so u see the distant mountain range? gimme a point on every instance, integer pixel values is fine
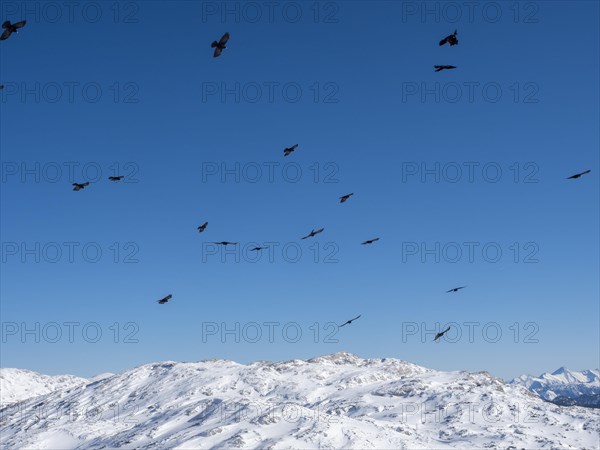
(329, 402)
(565, 387)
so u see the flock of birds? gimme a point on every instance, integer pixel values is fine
(219, 46)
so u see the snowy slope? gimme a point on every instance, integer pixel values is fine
(565, 387)
(18, 384)
(334, 401)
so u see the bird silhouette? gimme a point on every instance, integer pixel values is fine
(440, 68)
(346, 197)
(451, 39)
(313, 233)
(578, 175)
(220, 46)
(370, 241)
(162, 301)
(288, 151)
(225, 243)
(11, 28)
(257, 249)
(117, 178)
(440, 334)
(456, 289)
(202, 227)
(348, 322)
(80, 186)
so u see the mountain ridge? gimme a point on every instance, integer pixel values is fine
(330, 401)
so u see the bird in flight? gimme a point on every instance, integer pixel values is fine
(313, 233)
(117, 178)
(346, 197)
(370, 241)
(220, 46)
(225, 243)
(257, 249)
(578, 175)
(202, 227)
(162, 301)
(451, 39)
(348, 322)
(10, 28)
(456, 289)
(440, 68)
(288, 151)
(80, 186)
(440, 334)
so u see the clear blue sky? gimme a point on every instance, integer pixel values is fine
(364, 120)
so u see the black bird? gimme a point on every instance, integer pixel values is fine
(80, 186)
(348, 322)
(370, 241)
(578, 175)
(456, 289)
(118, 178)
(452, 40)
(202, 227)
(346, 197)
(10, 28)
(440, 334)
(288, 151)
(162, 301)
(220, 46)
(257, 249)
(440, 68)
(225, 243)
(313, 233)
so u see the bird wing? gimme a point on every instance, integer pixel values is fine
(5, 35)
(356, 317)
(587, 171)
(6, 24)
(443, 41)
(319, 231)
(217, 52)
(20, 24)
(344, 324)
(224, 39)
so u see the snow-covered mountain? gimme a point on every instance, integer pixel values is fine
(335, 401)
(565, 387)
(18, 384)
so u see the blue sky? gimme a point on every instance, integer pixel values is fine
(139, 94)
